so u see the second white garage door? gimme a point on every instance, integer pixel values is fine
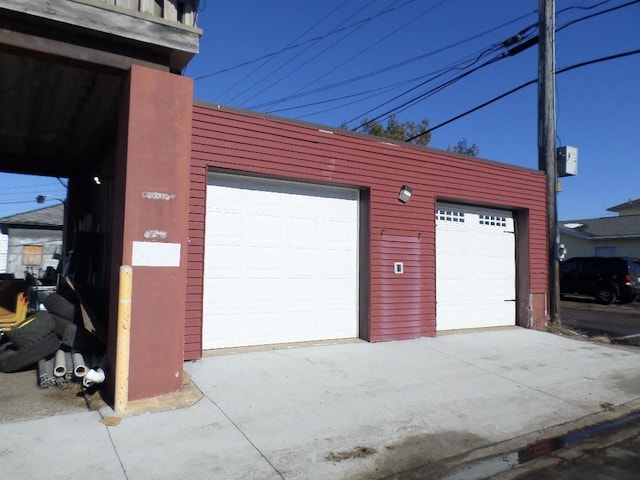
(281, 262)
(475, 267)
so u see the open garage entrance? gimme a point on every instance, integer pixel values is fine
(93, 93)
(59, 121)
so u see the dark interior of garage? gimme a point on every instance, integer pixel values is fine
(64, 69)
(60, 120)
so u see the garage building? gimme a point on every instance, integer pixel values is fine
(296, 233)
(247, 229)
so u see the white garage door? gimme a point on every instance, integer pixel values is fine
(475, 267)
(280, 262)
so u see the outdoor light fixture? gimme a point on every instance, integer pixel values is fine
(97, 180)
(42, 198)
(405, 193)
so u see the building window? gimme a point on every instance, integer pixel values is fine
(493, 220)
(451, 216)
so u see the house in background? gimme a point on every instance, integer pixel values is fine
(33, 238)
(604, 237)
(4, 247)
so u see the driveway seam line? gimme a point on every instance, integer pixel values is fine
(245, 436)
(115, 450)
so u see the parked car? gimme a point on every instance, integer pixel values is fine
(607, 279)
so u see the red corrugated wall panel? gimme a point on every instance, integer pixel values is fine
(401, 306)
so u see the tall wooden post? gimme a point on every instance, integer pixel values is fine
(546, 143)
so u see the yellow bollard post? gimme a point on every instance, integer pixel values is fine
(121, 394)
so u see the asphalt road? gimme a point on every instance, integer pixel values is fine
(621, 322)
(613, 455)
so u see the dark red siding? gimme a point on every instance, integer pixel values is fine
(401, 306)
(154, 141)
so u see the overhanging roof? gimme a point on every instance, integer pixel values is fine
(48, 217)
(62, 69)
(625, 206)
(627, 226)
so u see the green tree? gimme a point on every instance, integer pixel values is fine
(397, 130)
(464, 148)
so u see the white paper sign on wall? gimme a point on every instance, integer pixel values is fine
(156, 254)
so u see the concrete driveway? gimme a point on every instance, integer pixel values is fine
(344, 411)
(369, 410)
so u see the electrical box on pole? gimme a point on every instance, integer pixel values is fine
(567, 161)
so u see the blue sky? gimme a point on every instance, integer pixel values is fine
(272, 56)
(18, 192)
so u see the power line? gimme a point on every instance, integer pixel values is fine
(578, 7)
(597, 14)
(517, 37)
(389, 68)
(334, 31)
(348, 34)
(299, 37)
(30, 187)
(442, 86)
(374, 91)
(372, 45)
(360, 96)
(431, 75)
(311, 40)
(18, 202)
(520, 87)
(513, 51)
(29, 190)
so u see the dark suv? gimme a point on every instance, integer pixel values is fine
(606, 278)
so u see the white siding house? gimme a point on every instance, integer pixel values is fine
(33, 238)
(617, 236)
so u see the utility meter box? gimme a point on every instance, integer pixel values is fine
(567, 161)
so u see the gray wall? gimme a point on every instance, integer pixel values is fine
(578, 247)
(4, 245)
(50, 240)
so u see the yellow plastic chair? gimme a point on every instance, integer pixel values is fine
(8, 320)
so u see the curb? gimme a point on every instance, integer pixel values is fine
(504, 452)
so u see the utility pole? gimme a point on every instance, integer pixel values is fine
(547, 142)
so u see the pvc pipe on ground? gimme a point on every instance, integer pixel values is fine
(93, 376)
(79, 366)
(123, 342)
(59, 364)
